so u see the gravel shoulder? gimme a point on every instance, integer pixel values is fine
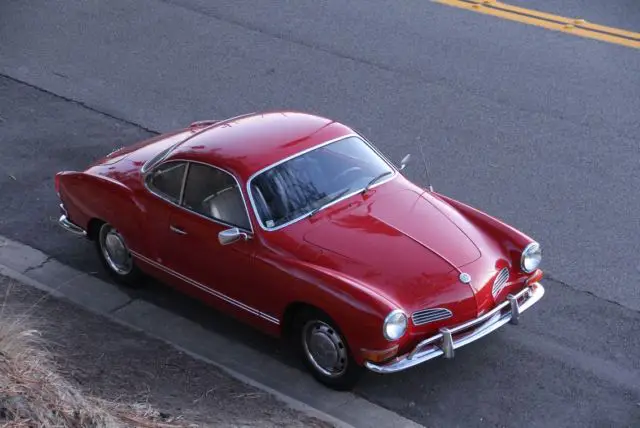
(113, 362)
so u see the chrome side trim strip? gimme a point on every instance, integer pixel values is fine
(448, 340)
(300, 153)
(206, 289)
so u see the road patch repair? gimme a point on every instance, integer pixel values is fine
(114, 346)
(575, 26)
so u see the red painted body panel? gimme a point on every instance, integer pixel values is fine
(397, 246)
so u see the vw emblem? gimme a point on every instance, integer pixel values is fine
(465, 278)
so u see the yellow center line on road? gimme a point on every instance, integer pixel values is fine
(575, 26)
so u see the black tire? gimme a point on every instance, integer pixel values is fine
(345, 372)
(121, 267)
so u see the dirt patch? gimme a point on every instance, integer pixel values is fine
(104, 359)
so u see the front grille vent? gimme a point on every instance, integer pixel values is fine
(430, 315)
(500, 282)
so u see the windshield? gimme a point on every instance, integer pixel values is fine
(297, 187)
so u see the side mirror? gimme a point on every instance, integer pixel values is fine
(405, 160)
(229, 236)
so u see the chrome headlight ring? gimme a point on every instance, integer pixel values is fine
(395, 325)
(531, 257)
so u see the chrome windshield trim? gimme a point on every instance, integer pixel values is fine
(288, 158)
(183, 186)
(209, 290)
(445, 342)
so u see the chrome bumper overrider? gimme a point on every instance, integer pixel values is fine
(70, 226)
(449, 339)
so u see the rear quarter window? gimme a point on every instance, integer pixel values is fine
(167, 179)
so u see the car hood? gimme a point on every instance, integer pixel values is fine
(404, 246)
(403, 224)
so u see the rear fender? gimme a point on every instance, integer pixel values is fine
(87, 196)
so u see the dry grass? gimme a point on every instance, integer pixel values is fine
(33, 394)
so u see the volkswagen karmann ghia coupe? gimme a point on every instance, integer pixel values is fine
(297, 225)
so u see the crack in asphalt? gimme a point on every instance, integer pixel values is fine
(592, 294)
(124, 305)
(80, 103)
(443, 81)
(39, 265)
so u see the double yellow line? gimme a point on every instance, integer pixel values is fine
(578, 27)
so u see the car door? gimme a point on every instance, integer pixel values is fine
(162, 197)
(211, 203)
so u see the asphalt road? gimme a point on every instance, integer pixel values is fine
(536, 127)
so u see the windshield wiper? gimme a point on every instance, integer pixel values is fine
(376, 178)
(336, 197)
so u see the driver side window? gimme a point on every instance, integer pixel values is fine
(215, 194)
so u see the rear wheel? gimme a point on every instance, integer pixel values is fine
(325, 351)
(116, 257)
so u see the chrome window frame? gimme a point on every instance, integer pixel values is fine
(323, 144)
(184, 184)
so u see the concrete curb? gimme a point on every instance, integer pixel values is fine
(297, 390)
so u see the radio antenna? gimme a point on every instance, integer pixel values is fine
(426, 168)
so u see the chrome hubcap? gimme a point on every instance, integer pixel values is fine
(115, 250)
(325, 348)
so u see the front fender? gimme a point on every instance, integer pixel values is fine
(358, 310)
(510, 241)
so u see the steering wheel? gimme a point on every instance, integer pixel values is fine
(347, 171)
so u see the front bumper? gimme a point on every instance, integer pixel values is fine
(450, 339)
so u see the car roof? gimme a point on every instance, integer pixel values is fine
(250, 143)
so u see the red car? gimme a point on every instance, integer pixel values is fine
(299, 226)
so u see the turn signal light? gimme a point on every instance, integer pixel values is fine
(377, 356)
(535, 277)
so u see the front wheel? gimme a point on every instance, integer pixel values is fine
(116, 257)
(325, 351)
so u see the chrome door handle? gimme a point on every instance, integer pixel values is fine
(177, 230)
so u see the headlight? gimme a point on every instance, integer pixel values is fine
(531, 257)
(395, 325)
